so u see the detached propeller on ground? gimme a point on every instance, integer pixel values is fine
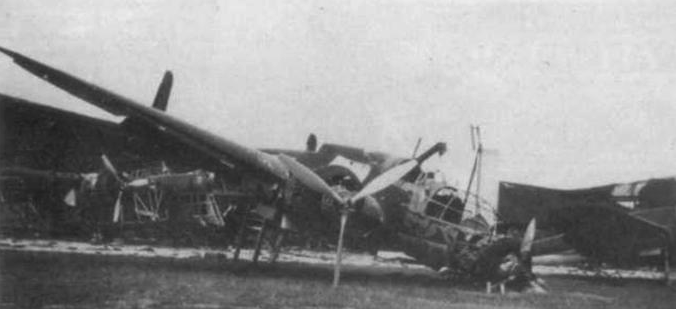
(309, 178)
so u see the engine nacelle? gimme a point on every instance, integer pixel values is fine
(192, 181)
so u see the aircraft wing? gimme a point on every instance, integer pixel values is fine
(229, 153)
(606, 232)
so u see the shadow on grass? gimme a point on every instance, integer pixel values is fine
(34, 279)
(30, 279)
(320, 273)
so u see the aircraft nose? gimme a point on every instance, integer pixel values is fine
(372, 209)
(525, 281)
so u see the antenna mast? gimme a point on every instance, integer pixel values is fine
(477, 146)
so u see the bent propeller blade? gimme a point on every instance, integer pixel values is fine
(385, 179)
(309, 178)
(391, 176)
(110, 167)
(118, 208)
(339, 250)
(528, 237)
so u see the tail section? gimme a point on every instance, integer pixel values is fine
(163, 92)
(311, 143)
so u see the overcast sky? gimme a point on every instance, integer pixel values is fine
(568, 93)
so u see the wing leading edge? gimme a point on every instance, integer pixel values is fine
(227, 152)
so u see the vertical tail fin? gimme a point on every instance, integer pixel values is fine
(311, 143)
(163, 92)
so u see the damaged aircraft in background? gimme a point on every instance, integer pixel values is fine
(618, 224)
(389, 200)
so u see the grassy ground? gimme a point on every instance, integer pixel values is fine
(54, 280)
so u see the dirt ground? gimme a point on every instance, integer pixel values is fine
(97, 280)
